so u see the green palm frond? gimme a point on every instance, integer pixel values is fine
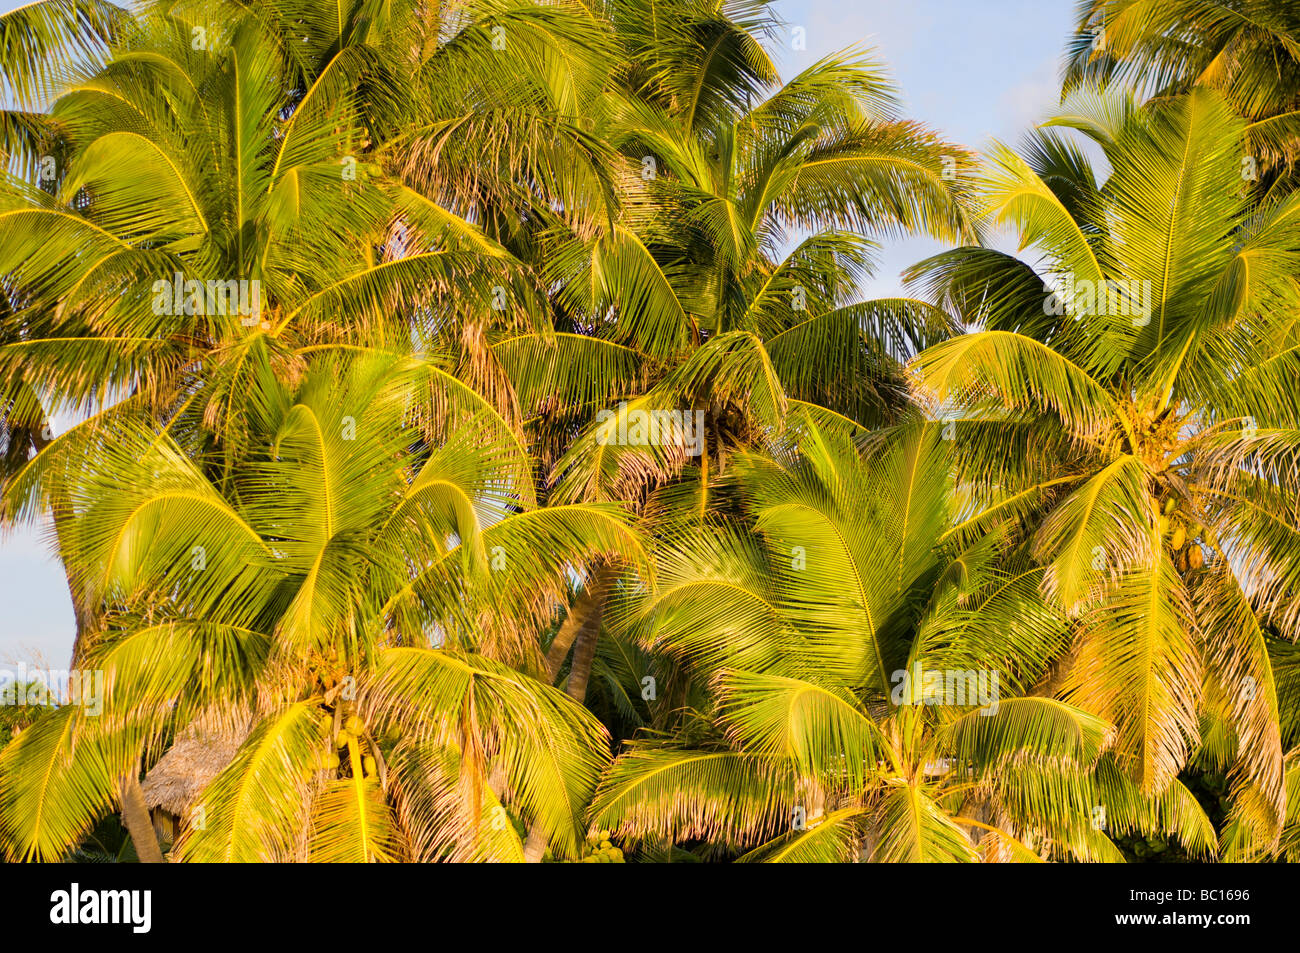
(253, 809)
(550, 750)
(36, 36)
(1042, 727)
(1137, 667)
(352, 823)
(660, 790)
(56, 780)
(909, 827)
(833, 838)
(821, 729)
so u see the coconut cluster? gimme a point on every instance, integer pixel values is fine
(1182, 535)
(599, 849)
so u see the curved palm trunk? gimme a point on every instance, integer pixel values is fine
(580, 630)
(564, 639)
(584, 647)
(581, 627)
(135, 816)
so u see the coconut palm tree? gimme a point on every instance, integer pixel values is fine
(697, 278)
(1249, 50)
(830, 639)
(688, 298)
(339, 524)
(1125, 404)
(213, 202)
(352, 587)
(232, 175)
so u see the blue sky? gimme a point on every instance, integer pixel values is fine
(973, 70)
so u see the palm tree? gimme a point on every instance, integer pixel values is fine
(1249, 50)
(350, 586)
(688, 298)
(210, 153)
(684, 297)
(824, 739)
(1125, 407)
(339, 525)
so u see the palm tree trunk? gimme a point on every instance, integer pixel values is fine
(135, 815)
(535, 846)
(580, 629)
(584, 647)
(563, 640)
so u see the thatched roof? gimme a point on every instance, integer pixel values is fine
(196, 757)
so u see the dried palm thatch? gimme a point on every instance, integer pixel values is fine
(197, 756)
